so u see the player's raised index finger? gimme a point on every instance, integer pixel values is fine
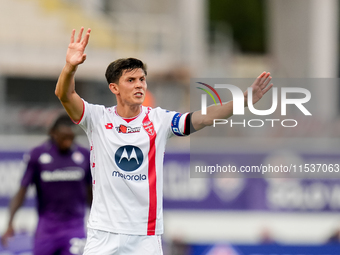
(266, 82)
(86, 37)
(265, 77)
(80, 34)
(72, 36)
(261, 75)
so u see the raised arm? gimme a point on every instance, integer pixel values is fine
(65, 89)
(260, 87)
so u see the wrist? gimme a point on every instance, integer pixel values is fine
(70, 68)
(10, 224)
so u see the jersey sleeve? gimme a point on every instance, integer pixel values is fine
(175, 123)
(92, 113)
(31, 169)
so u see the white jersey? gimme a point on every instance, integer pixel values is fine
(127, 167)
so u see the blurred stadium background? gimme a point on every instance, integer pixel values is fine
(180, 40)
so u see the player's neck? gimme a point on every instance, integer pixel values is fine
(128, 111)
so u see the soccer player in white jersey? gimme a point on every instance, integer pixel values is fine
(127, 147)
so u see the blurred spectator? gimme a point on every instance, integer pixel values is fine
(60, 171)
(149, 99)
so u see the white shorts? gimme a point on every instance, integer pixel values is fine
(106, 243)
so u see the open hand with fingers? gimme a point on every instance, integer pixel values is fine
(75, 53)
(8, 234)
(259, 87)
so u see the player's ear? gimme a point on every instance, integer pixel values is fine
(114, 88)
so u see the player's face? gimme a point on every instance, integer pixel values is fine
(64, 137)
(132, 87)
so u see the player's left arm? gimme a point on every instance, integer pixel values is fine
(260, 87)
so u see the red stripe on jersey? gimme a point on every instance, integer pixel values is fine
(82, 115)
(152, 188)
(149, 128)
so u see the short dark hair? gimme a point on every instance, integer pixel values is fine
(115, 70)
(62, 120)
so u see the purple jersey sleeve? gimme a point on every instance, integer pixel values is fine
(31, 168)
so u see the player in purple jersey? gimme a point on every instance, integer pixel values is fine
(60, 171)
(127, 148)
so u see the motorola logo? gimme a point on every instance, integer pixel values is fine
(129, 158)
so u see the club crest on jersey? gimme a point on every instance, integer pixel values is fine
(127, 130)
(148, 126)
(129, 158)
